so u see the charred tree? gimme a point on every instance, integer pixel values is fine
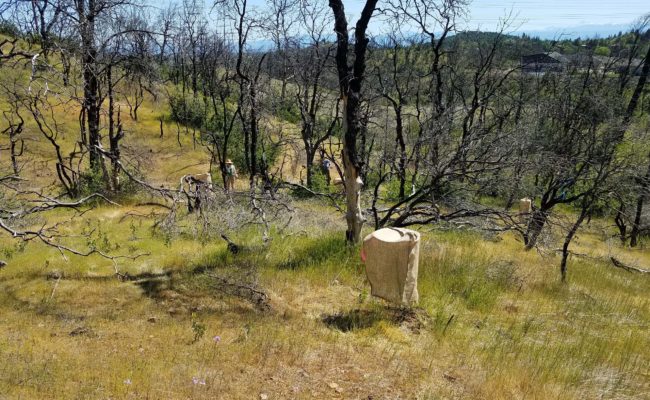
(350, 79)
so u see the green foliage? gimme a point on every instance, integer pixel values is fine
(8, 28)
(318, 185)
(98, 238)
(300, 193)
(188, 110)
(92, 181)
(8, 252)
(268, 156)
(392, 189)
(288, 112)
(129, 187)
(319, 181)
(198, 328)
(602, 51)
(316, 251)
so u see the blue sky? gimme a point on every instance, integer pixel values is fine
(553, 16)
(546, 18)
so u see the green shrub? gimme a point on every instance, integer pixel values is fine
(289, 112)
(318, 185)
(10, 29)
(93, 181)
(188, 111)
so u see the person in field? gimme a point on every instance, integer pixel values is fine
(325, 167)
(231, 175)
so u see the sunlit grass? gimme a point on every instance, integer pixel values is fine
(499, 324)
(495, 320)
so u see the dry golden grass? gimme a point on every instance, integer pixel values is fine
(493, 322)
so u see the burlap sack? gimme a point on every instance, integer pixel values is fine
(391, 257)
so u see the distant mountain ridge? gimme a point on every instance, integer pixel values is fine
(588, 31)
(573, 32)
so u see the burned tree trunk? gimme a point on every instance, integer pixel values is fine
(309, 163)
(350, 79)
(14, 129)
(644, 185)
(619, 220)
(87, 12)
(115, 132)
(535, 226)
(636, 95)
(569, 237)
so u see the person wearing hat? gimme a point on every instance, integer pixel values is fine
(231, 174)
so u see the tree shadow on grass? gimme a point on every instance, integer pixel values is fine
(413, 319)
(153, 287)
(353, 320)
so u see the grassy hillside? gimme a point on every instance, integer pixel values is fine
(493, 320)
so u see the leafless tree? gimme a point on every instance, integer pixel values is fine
(17, 219)
(15, 123)
(311, 63)
(576, 141)
(283, 18)
(639, 29)
(248, 68)
(43, 111)
(219, 87)
(350, 80)
(192, 30)
(399, 84)
(461, 115)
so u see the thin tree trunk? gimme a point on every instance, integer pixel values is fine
(353, 184)
(310, 170)
(90, 79)
(567, 241)
(643, 191)
(645, 71)
(254, 133)
(619, 220)
(399, 130)
(634, 233)
(115, 133)
(535, 226)
(350, 86)
(15, 154)
(14, 131)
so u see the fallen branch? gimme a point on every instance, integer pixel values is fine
(11, 178)
(582, 255)
(619, 264)
(49, 235)
(134, 214)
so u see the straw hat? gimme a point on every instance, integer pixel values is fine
(228, 161)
